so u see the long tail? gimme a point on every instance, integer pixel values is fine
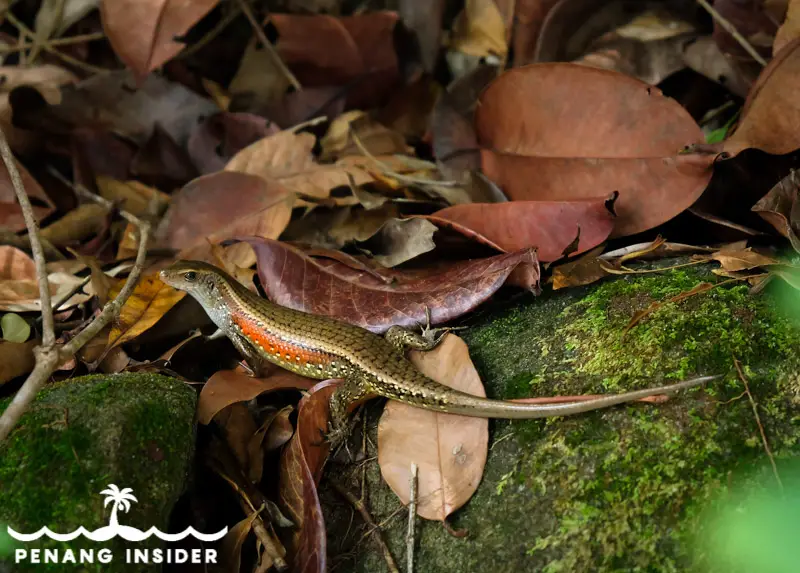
(469, 405)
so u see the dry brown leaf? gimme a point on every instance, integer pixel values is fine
(238, 426)
(10, 213)
(143, 32)
(231, 544)
(583, 271)
(286, 158)
(742, 259)
(450, 450)
(781, 209)
(227, 387)
(23, 295)
(373, 136)
(275, 430)
(83, 222)
(790, 29)
(133, 196)
(15, 264)
(258, 80)
(217, 207)
(354, 51)
(564, 132)
(16, 359)
(150, 300)
(771, 115)
(479, 30)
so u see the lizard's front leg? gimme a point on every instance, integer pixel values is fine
(260, 366)
(355, 387)
(405, 339)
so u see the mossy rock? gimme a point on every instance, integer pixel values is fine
(133, 430)
(669, 487)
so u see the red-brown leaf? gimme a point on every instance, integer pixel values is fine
(227, 387)
(300, 470)
(216, 207)
(549, 226)
(10, 211)
(562, 132)
(326, 51)
(293, 279)
(143, 32)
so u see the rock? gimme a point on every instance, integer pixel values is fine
(131, 430)
(684, 485)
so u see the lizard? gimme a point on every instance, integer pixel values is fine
(323, 347)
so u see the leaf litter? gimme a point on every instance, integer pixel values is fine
(379, 167)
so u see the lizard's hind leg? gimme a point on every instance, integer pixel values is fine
(355, 387)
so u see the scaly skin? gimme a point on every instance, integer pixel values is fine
(322, 347)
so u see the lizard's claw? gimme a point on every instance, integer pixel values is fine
(435, 335)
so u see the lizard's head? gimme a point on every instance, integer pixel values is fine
(199, 279)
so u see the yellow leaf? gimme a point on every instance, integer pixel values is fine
(134, 197)
(151, 299)
(479, 30)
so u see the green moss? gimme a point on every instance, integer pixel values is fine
(628, 488)
(79, 436)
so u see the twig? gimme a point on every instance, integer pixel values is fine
(213, 33)
(758, 421)
(50, 355)
(24, 242)
(731, 29)
(412, 518)
(48, 330)
(362, 509)
(259, 31)
(38, 40)
(80, 39)
(23, 29)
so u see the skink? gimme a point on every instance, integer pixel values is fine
(322, 347)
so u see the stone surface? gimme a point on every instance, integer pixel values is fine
(633, 488)
(132, 430)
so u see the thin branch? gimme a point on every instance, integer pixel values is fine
(412, 518)
(731, 29)
(213, 33)
(49, 355)
(758, 422)
(24, 30)
(69, 41)
(38, 40)
(259, 31)
(48, 329)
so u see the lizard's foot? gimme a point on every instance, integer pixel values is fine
(434, 336)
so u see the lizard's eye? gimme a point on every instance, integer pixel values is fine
(190, 276)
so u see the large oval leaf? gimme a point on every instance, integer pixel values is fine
(561, 132)
(450, 450)
(550, 226)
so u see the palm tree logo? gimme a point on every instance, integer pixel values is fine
(121, 499)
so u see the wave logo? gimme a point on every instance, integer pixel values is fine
(121, 501)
